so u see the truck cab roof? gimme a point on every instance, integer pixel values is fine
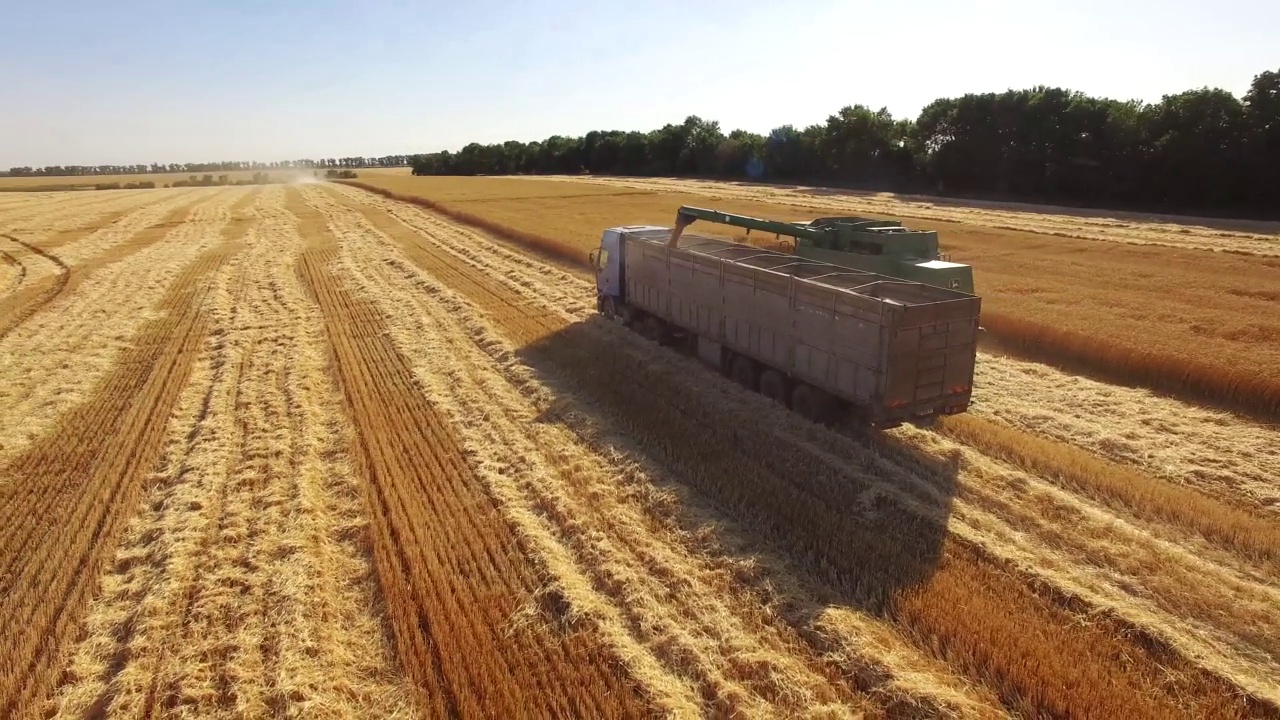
(633, 229)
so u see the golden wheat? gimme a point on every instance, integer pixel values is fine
(1199, 687)
(56, 356)
(586, 518)
(315, 450)
(1256, 237)
(431, 521)
(66, 497)
(1226, 457)
(1201, 326)
(246, 548)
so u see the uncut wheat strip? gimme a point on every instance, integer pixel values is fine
(1127, 228)
(56, 357)
(909, 674)
(1223, 455)
(505, 422)
(1214, 615)
(310, 583)
(1181, 233)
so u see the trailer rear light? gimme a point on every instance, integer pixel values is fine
(959, 389)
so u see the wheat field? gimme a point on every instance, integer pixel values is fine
(1176, 318)
(313, 451)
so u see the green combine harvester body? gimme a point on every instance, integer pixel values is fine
(884, 247)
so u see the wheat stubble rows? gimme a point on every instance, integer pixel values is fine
(1137, 570)
(66, 495)
(310, 451)
(240, 586)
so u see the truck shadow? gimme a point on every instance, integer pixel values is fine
(826, 519)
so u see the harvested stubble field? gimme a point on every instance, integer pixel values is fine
(46, 185)
(310, 450)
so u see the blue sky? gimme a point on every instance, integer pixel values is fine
(92, 82)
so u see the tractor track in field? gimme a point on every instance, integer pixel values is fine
(71, 235)
(432, 520)
(69, 494)
(69, 340)
(1086, 576)
(61, 221)
(19, 272)
(14, 308)
(44, 288)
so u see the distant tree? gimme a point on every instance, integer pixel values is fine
(1203, 149)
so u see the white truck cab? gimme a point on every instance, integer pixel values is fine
(608, 261)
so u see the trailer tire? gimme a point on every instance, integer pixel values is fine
(774, 386)
(609, 308)
(743, 371)
(813, 404)
(654, 328)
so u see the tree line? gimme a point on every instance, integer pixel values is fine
(1199, 150)
(206, 167)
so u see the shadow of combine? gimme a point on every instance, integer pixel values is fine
(855, 521)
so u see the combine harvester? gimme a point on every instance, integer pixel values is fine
(879, 246)
(836, 344)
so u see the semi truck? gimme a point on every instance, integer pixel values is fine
(837, 346)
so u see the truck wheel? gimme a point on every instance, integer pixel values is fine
(652, 329)
(774, 386)
(813, 404)
(608, 308)
(743, 372)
